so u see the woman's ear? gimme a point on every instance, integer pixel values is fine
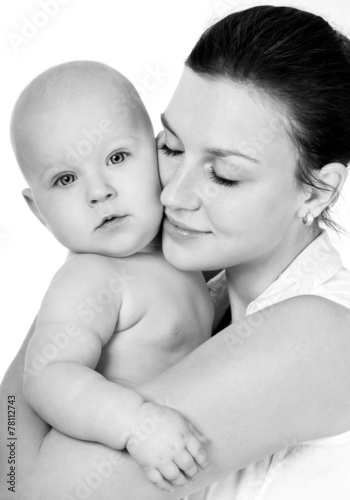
(28, 196)
(333, 175)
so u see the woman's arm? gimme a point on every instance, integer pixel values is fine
(252, 390)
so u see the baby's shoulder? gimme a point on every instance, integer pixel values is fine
(84, 268)
(87, 259)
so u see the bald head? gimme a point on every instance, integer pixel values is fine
(72, 80)
(68, 83)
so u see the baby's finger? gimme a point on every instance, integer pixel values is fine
(158, 480)
(172, 473)
(197, 451)
(198, 434)
(186, 463)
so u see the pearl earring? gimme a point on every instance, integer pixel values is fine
(308, 220)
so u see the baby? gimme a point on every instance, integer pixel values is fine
(116, 313)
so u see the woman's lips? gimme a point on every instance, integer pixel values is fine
(181, 233)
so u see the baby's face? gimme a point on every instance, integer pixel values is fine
(94, 176)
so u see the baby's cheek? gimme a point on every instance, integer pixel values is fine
(68, 231)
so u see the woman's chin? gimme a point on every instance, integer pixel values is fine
(180, 263)
(178, 258)
(182, 259)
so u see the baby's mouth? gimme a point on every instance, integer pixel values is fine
(110, 221)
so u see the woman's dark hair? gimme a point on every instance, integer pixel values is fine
(298, 60)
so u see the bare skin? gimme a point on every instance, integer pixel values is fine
(249, 402)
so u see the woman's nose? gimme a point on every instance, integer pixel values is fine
(181, 190)
(99, 190)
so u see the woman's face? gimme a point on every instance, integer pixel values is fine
(227, 168)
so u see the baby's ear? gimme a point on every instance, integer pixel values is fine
(27, 195)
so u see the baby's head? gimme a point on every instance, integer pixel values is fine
(85, 145)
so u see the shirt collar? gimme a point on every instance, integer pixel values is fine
(318, 262)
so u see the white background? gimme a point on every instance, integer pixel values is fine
(132, 35)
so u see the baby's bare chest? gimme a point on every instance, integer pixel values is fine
(165, 314)
(167, 309)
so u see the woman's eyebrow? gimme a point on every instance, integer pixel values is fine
(222, 152)
(229, 152)
(166, 125)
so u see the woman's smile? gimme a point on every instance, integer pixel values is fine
(179, 230)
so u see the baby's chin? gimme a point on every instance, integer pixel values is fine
(126, 249)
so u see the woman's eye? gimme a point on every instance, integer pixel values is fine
(65, 180)
(116, 158)
(220, 180)
(167, 151)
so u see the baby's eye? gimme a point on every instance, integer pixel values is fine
(65, 180)
(116, 158)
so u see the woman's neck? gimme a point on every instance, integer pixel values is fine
(248, 280)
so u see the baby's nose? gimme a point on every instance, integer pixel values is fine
(98, 197)
(99, 191)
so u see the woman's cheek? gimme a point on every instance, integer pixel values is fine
(235, 207)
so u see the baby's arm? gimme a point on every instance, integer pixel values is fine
(77, 318)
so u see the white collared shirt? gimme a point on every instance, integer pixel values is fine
(313, 470)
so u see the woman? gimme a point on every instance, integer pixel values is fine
(253, 154)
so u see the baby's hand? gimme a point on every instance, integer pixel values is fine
(166, 445)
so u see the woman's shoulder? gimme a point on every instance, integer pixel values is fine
(337, 288)
(323, 310)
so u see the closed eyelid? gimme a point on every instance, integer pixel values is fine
(169, 151)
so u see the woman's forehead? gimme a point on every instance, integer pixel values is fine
(219, 110)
